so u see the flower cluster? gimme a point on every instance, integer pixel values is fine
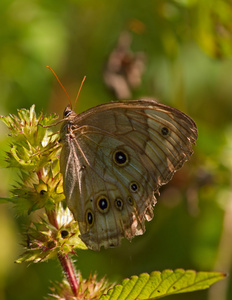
(45, 241)
(88, 289)
(34, 152)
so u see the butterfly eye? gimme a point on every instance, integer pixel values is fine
(164, 131)
(134, 187)
(89, 217)
(103, 204)
(120, 157)
(67, 112)
(118, 203)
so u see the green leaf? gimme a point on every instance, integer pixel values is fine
(160, 284)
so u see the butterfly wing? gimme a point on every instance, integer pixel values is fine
(114, 157)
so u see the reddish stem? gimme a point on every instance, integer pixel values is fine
(64, 259)
(69, 271)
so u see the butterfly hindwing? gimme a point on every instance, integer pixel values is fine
(114, 157)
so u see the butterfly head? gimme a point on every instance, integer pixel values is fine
(67, 112)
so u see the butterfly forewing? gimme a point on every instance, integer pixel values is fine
(114, 157)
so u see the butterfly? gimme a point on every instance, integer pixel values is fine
(114, 159)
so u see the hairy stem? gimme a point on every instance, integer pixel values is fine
(69, 271)
(65, 260)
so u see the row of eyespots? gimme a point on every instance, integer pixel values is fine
(103, 206)
(103, 203)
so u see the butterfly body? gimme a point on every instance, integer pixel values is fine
(114, 158)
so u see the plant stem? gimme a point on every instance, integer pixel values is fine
(65, 260)
(69, 271)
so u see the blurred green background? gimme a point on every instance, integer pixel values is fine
(185, 47)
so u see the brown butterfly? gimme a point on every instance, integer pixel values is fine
(114, 158)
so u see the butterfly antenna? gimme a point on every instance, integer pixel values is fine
(83, 80)
(61, 85)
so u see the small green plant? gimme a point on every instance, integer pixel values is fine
(34, 151)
